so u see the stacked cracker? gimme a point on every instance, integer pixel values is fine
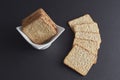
(39, 27)
(85, 45)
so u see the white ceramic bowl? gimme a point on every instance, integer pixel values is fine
(60, 30)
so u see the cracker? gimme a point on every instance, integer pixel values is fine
(80, 60)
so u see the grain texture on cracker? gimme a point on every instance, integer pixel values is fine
(88, 36)
(91, 27)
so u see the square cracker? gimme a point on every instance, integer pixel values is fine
(90, 27)
(91, 46)
(39, 27)
(89, 36)
(79, 60)
(80, 20)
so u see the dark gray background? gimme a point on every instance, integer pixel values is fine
(20, 61)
